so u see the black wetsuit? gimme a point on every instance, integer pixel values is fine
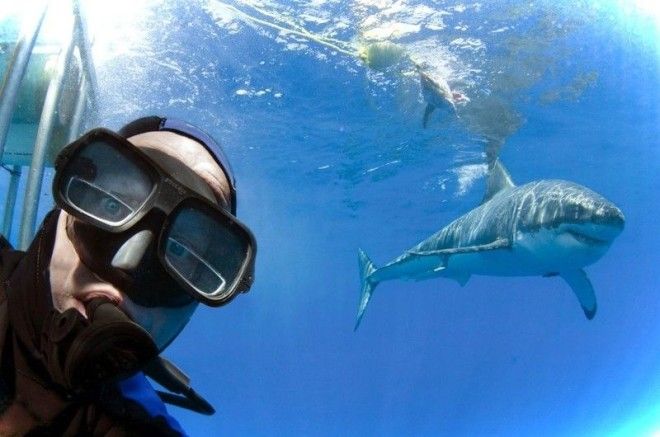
(31, 404)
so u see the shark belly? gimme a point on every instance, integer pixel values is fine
(531, 254)
(503, 262)
(409, 268)
(538, 253)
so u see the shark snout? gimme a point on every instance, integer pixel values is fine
(610, 216)
(618, 219)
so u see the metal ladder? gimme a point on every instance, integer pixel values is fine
(69, 101)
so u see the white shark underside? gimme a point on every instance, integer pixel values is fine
(543, 228)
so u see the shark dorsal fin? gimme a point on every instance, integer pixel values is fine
(498, 180)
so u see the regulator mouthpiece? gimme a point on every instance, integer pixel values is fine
(82, 353)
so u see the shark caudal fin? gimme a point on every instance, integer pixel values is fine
(366, 269)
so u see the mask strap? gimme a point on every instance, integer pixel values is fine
(167, 374)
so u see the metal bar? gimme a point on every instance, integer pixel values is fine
(85, 51)
(74, 128)
(10, 202)
(15, 73)
(36, 173)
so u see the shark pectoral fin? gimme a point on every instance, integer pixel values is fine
(427, 113)
(579, 282)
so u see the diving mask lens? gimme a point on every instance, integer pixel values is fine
(105, 184)
(206, 251)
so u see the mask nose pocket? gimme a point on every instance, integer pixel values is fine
(130, 253)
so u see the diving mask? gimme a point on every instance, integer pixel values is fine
(110, 185)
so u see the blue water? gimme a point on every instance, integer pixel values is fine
(331, 157)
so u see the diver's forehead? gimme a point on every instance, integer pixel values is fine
(187, 161)
(180, 172)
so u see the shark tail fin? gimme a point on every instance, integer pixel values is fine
(368, 286)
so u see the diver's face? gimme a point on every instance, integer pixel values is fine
(74, 282)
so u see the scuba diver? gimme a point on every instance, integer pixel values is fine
(144, 230)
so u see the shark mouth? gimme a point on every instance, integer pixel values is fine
(586, 239)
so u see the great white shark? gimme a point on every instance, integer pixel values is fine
(542, 228)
